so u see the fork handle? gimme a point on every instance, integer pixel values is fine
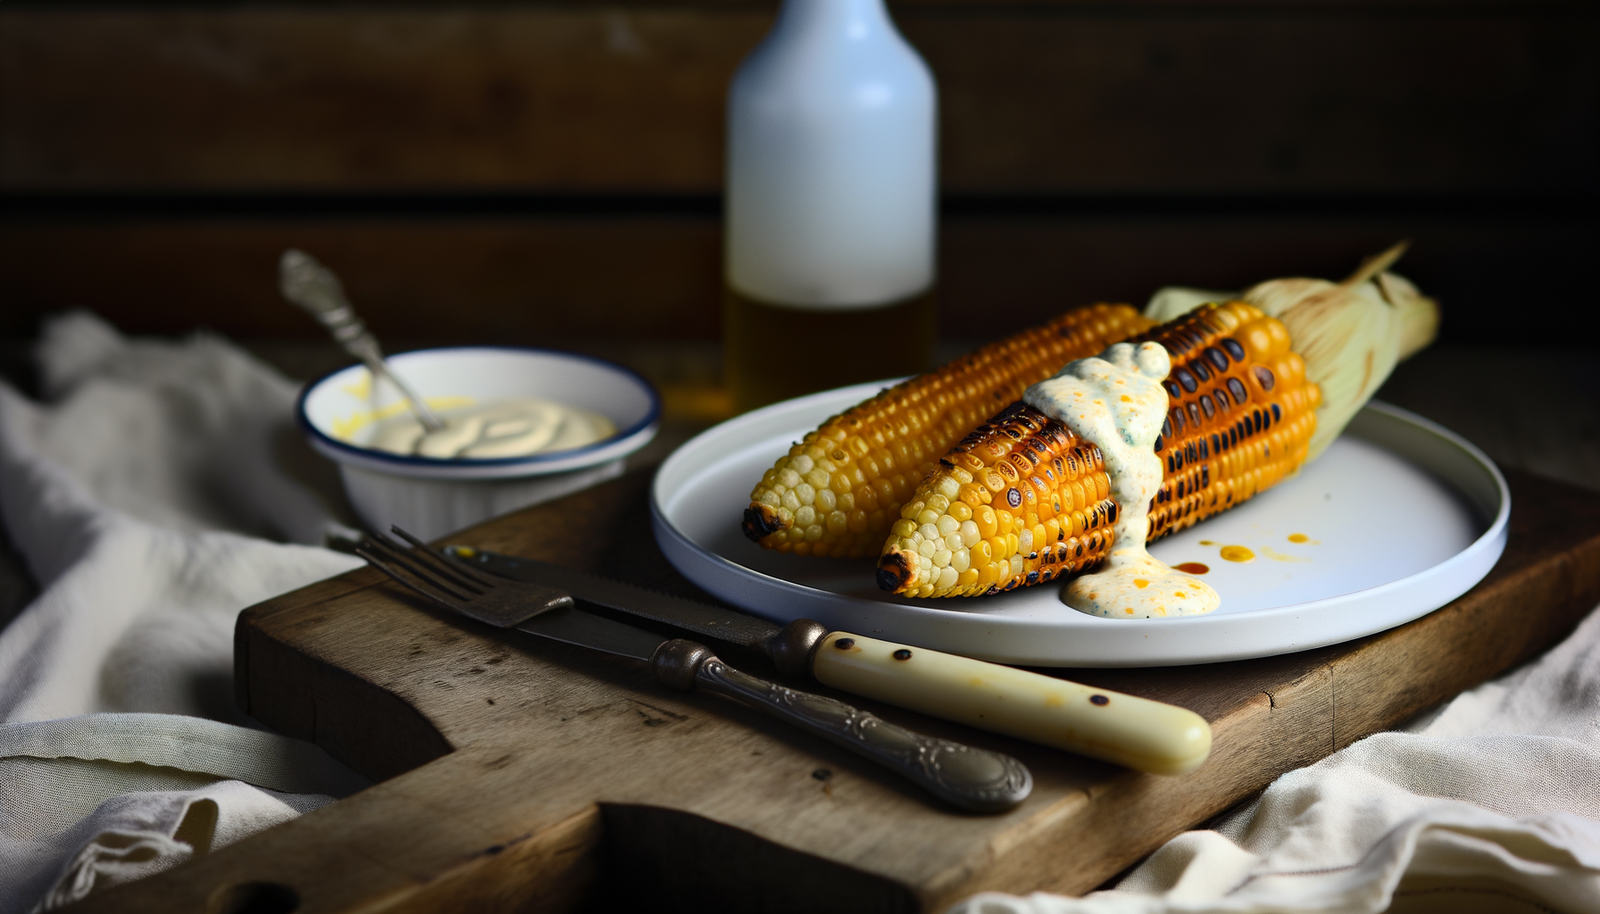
(966, 777)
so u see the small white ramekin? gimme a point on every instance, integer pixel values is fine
(431, 497)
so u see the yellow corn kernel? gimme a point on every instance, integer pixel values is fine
(887, 444)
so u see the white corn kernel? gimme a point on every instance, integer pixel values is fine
(806, 516)
(948, 487)
(826, 500)
(926, 547)
(953, 542)
(788, 477)
(948, 525)
(802, 464)
(929, 532)
(790, 500)
(947, 578)
(970, 534)
(805, 493)
(961, 560)
(928, 516)
(941, 558)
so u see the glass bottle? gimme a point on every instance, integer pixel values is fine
(830, 219)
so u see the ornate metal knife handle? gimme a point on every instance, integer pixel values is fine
(964, 776)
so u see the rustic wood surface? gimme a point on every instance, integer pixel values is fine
(1046, 95)
(500, 162)
(524, 775)
(528, 279)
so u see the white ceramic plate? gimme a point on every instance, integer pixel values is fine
(1398, 518)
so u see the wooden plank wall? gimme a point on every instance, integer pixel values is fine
(524, 172)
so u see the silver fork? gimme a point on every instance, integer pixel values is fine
(967, 777)
(459, 587)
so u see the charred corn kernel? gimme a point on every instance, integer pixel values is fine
(1015, 553)
(1245, 426)
(882, 448)
(1240, 418)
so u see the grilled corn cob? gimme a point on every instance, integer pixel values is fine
(837, 492)
(1351, 333)
(1024, 500)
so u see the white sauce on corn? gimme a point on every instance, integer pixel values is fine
(1116, 401)
(504, 428)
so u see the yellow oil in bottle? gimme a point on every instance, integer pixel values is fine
(772, 353)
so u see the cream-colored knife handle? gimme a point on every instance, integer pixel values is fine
(1136, 732)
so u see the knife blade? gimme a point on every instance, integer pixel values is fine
(1127, 730)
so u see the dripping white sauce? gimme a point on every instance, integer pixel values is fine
(1116, 401)
(503, 428)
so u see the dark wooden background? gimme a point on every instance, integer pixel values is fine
(540, 172)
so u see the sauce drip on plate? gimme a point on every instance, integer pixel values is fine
(1117, 402)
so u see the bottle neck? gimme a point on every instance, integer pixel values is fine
(859, 20)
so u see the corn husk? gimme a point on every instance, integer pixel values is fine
(1351, 333)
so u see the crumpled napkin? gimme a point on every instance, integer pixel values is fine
(1491, 804)
(142, 496)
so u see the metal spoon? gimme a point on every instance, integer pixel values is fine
(312, 286)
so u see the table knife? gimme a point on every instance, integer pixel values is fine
(1135, 732)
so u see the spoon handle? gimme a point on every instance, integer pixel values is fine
(312, 286)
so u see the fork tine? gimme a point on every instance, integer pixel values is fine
(397, 575)
(449, 565)
(403, 568)
(417, 566)
(415, 584)
(423, 557)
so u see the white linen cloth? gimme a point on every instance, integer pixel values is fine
(1491, 804)
(141, 498)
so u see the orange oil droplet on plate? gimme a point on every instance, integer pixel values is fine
(1140, 583)
(1299, 538)
(1208, 542)
(1192, 568)
(1237, 554)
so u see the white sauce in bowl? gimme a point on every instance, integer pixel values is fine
(1116, 401)
(503, 428)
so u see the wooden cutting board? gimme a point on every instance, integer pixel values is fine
(523, 775)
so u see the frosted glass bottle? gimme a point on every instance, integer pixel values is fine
(830, 221)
